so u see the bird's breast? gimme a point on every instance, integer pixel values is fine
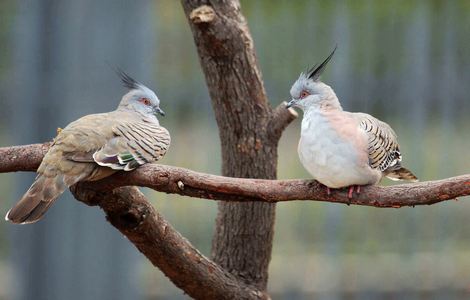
(328, 156)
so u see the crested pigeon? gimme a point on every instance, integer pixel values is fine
(96, 146)
(339, 148)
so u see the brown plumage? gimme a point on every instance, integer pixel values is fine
(89, 149)
(94, 147)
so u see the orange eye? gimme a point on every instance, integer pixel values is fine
(304, 94)
(145, 101)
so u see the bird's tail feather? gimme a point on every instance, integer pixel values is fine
(37, 200)
(402, 174)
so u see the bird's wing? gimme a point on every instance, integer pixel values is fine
(134, 143)
(383, 148)
(76, 143)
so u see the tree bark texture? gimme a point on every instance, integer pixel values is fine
(128, 210)
(249, 131)
(175, 180)
(243, 235)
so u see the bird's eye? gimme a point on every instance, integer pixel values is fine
(145, 101)
(304, 94)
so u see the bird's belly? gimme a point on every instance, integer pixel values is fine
(332, 161)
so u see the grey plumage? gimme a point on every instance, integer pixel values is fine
(96, 146)
(340, 148)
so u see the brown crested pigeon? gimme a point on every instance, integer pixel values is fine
(96, 146)
(339, 148)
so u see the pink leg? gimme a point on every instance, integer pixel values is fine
(350, 192)
(358, 189)
(328, 191)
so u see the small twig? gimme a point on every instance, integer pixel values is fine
(281, 118)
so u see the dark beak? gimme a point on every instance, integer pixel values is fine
(290, 103)
(160, 111)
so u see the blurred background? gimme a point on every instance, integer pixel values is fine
(406, 62)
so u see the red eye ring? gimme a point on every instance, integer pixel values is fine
(304, 94)
(145, 101)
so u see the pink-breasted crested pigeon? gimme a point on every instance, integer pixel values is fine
(339, 148)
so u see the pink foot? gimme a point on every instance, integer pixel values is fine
(351, 190)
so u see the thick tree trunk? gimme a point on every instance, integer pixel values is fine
(244, 231)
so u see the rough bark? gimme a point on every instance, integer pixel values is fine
(243, 235)
(128, 210)
(185, 182)
(249, 131)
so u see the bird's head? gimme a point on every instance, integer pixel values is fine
(139, 98)
(308, 91)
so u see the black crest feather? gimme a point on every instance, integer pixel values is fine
(127, 80)
(314, 73)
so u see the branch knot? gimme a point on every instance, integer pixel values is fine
(202, 14)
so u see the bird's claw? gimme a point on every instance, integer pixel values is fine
(351, 190)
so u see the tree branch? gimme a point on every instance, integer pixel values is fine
(280, 119)
(22, 158)
(185, 182)
(128, 210)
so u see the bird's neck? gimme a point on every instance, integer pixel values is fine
(329, 105)
(126, 107)
(147, 117)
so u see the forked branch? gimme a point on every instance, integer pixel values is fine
(185, 182)
(127, 209)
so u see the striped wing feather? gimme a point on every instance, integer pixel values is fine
(134, 144)
(384, 152)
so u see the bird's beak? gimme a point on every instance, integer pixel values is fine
(159, 111)
(291, 103)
